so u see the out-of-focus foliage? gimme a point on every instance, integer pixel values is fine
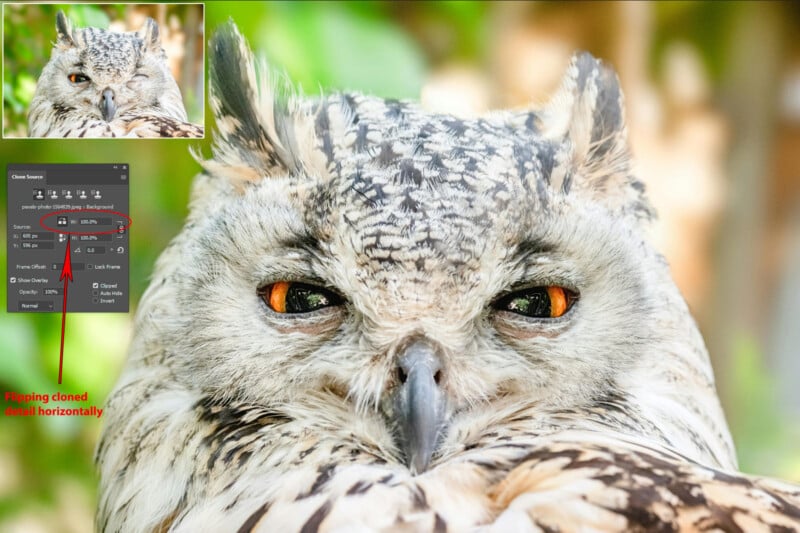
(764, 441)
(47, 481)
(29, 33)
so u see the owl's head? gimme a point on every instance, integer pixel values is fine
(106, 74)
(407, 269)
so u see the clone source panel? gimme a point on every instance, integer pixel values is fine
(84, 206)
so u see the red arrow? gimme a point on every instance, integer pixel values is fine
(66, 275)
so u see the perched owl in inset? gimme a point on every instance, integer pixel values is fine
(101, 83)
(382, 319)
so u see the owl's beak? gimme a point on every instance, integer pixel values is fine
(419, 403)
(107, 105)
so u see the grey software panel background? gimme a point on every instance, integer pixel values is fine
(35, 255)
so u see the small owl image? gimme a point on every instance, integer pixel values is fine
(379, 318)
(101, 83)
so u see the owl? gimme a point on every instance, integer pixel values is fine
(100, 83)
(378, 318)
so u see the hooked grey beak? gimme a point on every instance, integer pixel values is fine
(419, 403)
(107, 106)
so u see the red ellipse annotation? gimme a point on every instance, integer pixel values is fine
(66, 232)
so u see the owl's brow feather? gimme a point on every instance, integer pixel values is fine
(532, 246)
(305, 242)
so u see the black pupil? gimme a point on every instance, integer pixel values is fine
(533, 302)
(78, 78)
(302, 298)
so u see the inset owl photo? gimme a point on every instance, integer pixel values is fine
(103, 70)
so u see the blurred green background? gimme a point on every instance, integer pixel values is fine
(713, 94)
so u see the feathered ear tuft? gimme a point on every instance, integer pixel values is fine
(260, 130)
(151, 38)
(64, 30)
(587, 115)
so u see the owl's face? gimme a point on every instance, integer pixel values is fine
(367, 265)
(367, 280)
(414, 268)
(105, 74)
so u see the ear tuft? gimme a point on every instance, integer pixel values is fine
(64, 30)
(151, 38)
(260, 130)
(587, 115)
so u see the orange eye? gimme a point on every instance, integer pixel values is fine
(538, 302)
(77, 78)
(277, 296)
(293, 297)
(558, 301)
